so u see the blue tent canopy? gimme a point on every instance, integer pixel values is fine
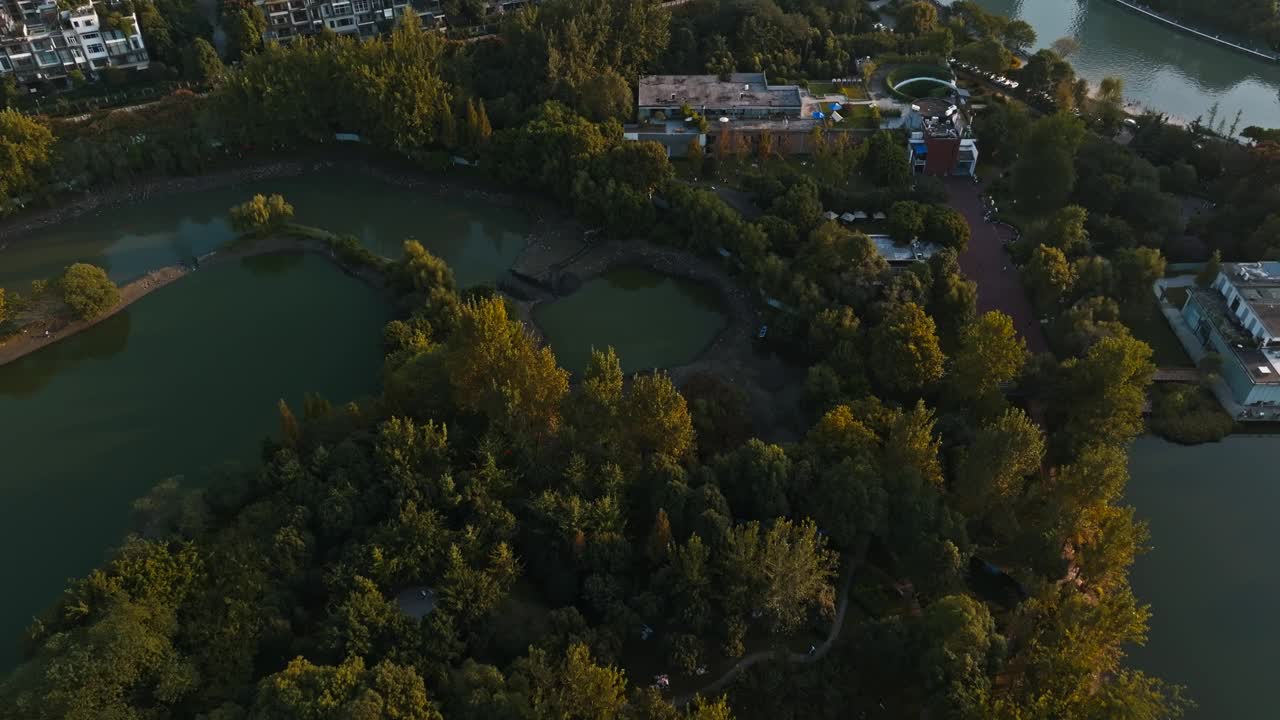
(818, 115)
(835, 107)
(919, 148)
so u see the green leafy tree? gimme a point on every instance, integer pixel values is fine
(885, 161)
(905, 356)
(1018, 35)
(88, 291)
(990, 353)
(261, 214)
(245, 25)
(1209, 273)
(755, 480)
(657, 417)
(1138, 269)
(25, 145)
(8, 91)
(497, 369)
(1104, 392)
(202, 64)
(988, 54)
(917, 18)
(96, 670)
(961, 649)
(991, 473)
(785, 572)
(350, 690)
(947, 227)
(906, 221)
(1064, 230)
(573, 687)
(1049, 276)
(605, 95)
(1045, 174)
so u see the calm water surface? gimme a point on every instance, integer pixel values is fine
(185, 378)
(477, 239)
(651, 320)
(1212, 578)
(1163, 69)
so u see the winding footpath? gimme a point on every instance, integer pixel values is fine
(756, 658)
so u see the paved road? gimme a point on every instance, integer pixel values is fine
(987, 263)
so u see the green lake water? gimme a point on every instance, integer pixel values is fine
(185, 378)
(651, 320)
(477, 239)
(1211, 577)
(189, 376)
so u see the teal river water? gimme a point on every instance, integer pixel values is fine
(1211, 577)
(189, 376)
(1163, 69)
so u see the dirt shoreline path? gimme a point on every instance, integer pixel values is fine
(42, 335)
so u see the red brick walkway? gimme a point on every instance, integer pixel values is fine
(986, 263)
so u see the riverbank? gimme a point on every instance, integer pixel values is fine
(42, 334)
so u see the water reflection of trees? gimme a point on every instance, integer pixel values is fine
(28, 375)
(272, 264)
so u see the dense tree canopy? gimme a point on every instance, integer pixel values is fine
(552, 525)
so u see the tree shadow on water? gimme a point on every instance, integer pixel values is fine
(28, 375)
(272, 264)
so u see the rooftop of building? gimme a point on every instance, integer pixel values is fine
(896, 253)
(679, 127)
(740, 90)
(1262, 364)
(1259, 285)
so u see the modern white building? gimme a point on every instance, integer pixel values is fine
(1238, 317)
(40, 43)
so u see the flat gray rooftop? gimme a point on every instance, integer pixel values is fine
(1259, 285)
(741, 90)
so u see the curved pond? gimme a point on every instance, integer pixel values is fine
(651, 320)
(477, 239)
(185, 377)
(1162, 68)
(1211, 576)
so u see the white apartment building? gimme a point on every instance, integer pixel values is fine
(287, 19)
(290, 18)
(41, 43)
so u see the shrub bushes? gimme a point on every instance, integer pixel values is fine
(1187, 414)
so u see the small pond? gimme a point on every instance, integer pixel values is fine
(652, 320)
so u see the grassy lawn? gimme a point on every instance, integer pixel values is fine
(1148, 324)
(860, 116)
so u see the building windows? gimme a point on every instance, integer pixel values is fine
(90, 36)
(95, 48)
(362, 6)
